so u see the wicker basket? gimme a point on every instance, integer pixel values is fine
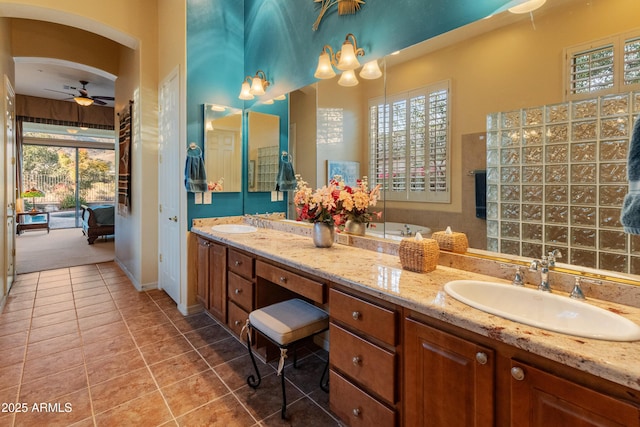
(421, 256)
(454, 242)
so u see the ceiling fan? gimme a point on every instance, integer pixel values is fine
(83, 98)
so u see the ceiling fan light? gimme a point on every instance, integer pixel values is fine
(83, 100)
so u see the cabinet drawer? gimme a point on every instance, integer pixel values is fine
(240, 291)
(240, 264)
(236, 319)
(354, 406)
(371, 319)
(368, 364)
(292, 281)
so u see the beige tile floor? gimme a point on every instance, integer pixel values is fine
(80, 346)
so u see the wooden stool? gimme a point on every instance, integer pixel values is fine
(285, 324)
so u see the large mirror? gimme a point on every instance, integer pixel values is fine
(506, 63)
(223, 147)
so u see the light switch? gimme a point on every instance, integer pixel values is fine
(198, 198)
(207, 197)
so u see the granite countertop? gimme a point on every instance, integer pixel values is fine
(381, 275)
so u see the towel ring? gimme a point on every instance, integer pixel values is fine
(285, 155)
(194, 147)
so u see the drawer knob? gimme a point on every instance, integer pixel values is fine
(238, 322)
(482, 358)
(356, 315)
(356, 412)
(238, 291)
(356, 360)
(283, 279)
(517, 373)
(238, 263)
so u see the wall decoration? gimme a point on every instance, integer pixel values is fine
(345, 7)
(349, 171)
(124, 161)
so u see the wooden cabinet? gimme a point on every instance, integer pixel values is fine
(202, 272)
(212, 277)
(240, 289)
(449, 381)
(539, 398)
(363, 360)
(452, 380)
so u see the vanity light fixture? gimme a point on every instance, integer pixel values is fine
(255, 85)
(345, 60)
(348, 78)
(280, 97)
(371, 70)
(527, 6)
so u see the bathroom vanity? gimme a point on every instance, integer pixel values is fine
(402, 352)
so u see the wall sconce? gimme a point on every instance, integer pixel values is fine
(255, 85)
(345, 60)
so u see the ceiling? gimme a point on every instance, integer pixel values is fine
(55, 79)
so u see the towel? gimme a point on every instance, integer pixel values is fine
(195, 176)
(630, 216)
(286, 177)
(481, 193)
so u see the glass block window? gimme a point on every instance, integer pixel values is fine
(330, 126)
(564, 190)
(409, 137)
(602, 67)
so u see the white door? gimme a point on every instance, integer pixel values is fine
(169, 190)
(222, 154)
(10, 182)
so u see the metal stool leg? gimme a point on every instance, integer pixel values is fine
(324, 384)
(251, 380)
(283, 412)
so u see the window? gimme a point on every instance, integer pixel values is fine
(330, 126)
(409, 144)
(606, 66)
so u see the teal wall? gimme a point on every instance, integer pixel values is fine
(230, 39)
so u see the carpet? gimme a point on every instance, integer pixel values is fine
(39, 251)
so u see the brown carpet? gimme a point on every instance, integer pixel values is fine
(39, 251)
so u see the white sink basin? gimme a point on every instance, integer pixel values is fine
(234, 228)
(543, 310)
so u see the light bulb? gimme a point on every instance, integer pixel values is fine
(348, 78)
(348, 60)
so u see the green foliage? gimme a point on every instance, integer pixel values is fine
(40, 159)
(69, 201)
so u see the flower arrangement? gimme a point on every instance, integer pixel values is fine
(355, 201)
(216, 186)
(318, 206)
(336, 203)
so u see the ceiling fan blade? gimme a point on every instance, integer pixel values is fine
(97, 101)
(59, 91)
(106, 98)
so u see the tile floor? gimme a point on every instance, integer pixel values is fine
(80, 346)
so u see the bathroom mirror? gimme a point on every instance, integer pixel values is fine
(223, 146)
(500, 64)
(264, 150)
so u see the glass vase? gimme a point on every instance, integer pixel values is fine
(355, 227)
(323, 234)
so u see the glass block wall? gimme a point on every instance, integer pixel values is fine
(557, 177)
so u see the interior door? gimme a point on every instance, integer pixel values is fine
(169, 179)
(10, 182)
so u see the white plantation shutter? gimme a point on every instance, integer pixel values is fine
(409, 144)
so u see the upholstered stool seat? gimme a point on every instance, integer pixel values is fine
(285, 324)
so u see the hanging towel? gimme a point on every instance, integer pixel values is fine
(195, 176)
(630, 217)
(286, 177)
(481, 193)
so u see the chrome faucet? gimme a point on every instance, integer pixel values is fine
(407, 231)
(553, 255)
(517, 279)
(543, 265)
